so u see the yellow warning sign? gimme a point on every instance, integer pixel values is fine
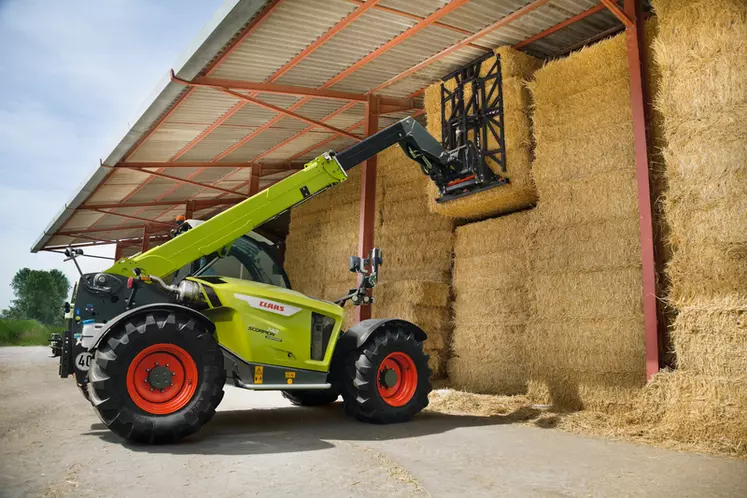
(258, 374)
(290, 375)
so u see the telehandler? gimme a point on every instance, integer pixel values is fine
(153, 339)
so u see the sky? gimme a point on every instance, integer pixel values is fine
(74, 75)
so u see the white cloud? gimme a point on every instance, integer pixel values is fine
(74, 75)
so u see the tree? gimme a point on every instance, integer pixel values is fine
(40, 295)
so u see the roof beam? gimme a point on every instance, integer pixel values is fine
(445, 52)
(416, 17)
(277, 89)
(201, 164)
(362, 9)
(260, 103)
(71, 233)
(184, 180)
(199, 203)
(618, 12)
(256, 22)
(560, 26)
(135, 218)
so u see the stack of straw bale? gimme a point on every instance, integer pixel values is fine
(520, 193)
(701, 51)
(585, 336)
(417, 247)
(491, 307)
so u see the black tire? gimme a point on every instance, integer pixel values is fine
(314, 397)
(360, 383)
(108, 377)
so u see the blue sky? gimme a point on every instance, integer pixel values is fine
(74, 75)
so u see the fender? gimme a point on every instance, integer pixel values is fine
(114, 322)
(359, 333)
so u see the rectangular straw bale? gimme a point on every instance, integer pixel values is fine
(606, 196)
(432, 294)
(499, 369)
(710, 337)
(520, 193)
(603, 295)
(418, 256)
(590, 67)
(604, 245)
(491, 306)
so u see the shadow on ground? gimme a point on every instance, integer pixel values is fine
(293, 429)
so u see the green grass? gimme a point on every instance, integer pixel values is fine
(25, 332)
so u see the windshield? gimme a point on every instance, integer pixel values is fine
(248, 259)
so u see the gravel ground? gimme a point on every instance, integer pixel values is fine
(52, 444)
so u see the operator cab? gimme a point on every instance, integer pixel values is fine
(251, 257)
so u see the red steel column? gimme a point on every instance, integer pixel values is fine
(368, 195)
(118, 250)
(146, 239)
(639, 104)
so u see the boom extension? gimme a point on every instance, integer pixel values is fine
(449, 170)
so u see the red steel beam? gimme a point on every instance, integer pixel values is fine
(326, 140)
(134, 218)
(146, 239)
(445, 52)
(416, 17)
(368, 197)
(257, 21)
(559, 26)
(639, 101)
(98, 230)
(623, 16)
(207, 131)
(260, 103)
(185, 180)
(294, 62)
(274, 88)
(180, 164)
(305, 131)
(199, 203)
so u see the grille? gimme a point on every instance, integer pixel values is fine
(321, 331)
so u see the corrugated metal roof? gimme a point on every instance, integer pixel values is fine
(279, 41)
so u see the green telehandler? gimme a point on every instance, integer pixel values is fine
(153, 339)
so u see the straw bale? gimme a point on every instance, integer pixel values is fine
(604, 245)
(606, 196)
(432, 294)
(520, 193)
(491, 306)
(590, 67)
(417, 256)
(696, 410)
(710, 337)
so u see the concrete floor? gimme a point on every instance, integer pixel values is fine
(52, 444)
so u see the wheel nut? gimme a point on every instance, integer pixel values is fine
(173, 373)
(151, 389)
(156, 363)
(161, 390)
(167, 364)
(147, 369)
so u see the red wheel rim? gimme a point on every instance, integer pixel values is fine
(162, 379)
(397, 391)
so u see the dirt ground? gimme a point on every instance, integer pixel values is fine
(52, 444)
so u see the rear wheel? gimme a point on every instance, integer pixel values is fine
(157, 378)
(312, 397)
(387, 380)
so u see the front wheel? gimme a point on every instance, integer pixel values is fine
(387, 380)
(157, 378)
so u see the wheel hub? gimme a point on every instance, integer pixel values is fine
(398, 378)
(388, 377)
(160, 377)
